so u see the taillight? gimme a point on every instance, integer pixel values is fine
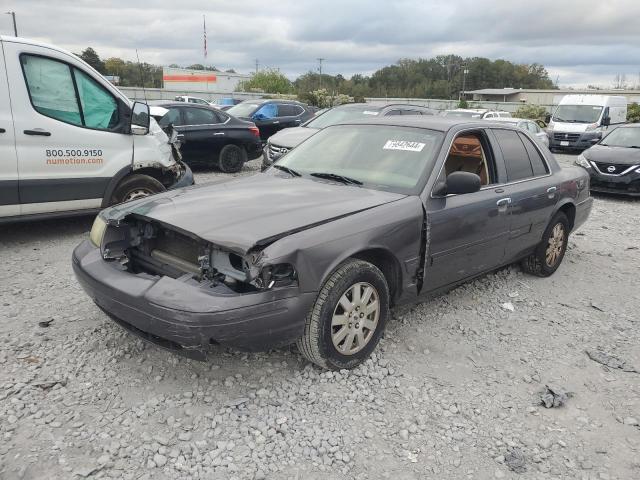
(255, 130)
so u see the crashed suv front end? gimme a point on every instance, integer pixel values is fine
(186, 294)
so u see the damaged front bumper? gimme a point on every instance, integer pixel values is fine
(188, 318)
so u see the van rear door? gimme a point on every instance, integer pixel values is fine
(9, 201)
(70, 138)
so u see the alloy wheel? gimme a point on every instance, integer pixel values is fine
(355, 318)
(555, 245)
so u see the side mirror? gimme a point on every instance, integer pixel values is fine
(606, 121)
(140, 118)
(547, 118)
(458, 183)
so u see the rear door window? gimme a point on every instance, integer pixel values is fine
(172, 116)
(515, 155)
(267, 111)
(199, 116)
(288, 110)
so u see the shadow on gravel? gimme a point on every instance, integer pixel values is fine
(29, 231)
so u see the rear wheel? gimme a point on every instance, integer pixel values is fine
(231, 159)
(550, 252)
(134, 187)
(347, 318)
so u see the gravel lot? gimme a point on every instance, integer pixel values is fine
(453, 392)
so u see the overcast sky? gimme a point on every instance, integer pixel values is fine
(579, 41)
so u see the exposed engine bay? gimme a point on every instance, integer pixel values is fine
(143, 246)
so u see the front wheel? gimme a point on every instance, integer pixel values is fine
(550, 251)
(134, 187)
(348, 317)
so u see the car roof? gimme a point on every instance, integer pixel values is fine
(431, 122)
(510, 119)
(174, 103)
(258, 101)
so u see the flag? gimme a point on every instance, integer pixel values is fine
(204, 23)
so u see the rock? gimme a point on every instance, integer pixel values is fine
(404, 434)
(159, 460)
(631, 421)
(552, 397)
(508, 306)
(516, 461)
(184, 436)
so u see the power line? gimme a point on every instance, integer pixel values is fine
(320, 60)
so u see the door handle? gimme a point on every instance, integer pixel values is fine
(2, 130)
(503, 204)
(276, 121)
(219, 133)
(40, 132)
(551, 191)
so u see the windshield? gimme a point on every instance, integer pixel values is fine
(382, 157)
(623, 137)
(577, 113)
(461, 113)
(344, 114)
(243, 109)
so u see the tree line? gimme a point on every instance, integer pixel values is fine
(439, 77)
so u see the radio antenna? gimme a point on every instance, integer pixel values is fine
(144, 92)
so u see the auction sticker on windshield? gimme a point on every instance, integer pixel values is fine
(369, 112)
(404, 145)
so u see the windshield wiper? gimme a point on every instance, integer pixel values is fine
(335, 176)
(290, 171)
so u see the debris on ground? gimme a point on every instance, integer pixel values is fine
(516, 461)
(610, 361)
(553, 397)
(508, 306)
(45, 323)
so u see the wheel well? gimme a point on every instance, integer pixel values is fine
(388, 265)
(164, 178)
(569, 209)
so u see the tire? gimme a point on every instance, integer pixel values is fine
(134, 187)
(550, 251)
(231, 159)
(317, 343)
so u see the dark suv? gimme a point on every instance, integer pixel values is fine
(284, 141)
(271, 116)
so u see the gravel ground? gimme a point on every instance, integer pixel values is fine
(452, 393)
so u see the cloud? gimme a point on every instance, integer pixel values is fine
(582, 41)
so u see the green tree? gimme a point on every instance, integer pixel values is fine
(196, 66)
(90, 56)
(633, 113)
(533, 112)
(267, 81)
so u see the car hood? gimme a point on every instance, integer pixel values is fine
(251, 212)
(291, 137)
(617, 155)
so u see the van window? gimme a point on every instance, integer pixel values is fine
(51, 88)
(99, 108)
(52, 91)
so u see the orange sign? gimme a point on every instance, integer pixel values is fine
(207, 77)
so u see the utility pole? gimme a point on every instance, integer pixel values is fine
(257, 65)
(13, 17)
(464, 80)
(320, 60)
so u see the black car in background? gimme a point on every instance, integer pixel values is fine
(283, 141)
(271, 116)
(209, 136)
(614, 162)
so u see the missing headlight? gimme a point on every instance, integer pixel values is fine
(280, 275)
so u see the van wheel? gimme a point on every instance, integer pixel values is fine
(231, 159)
(134, 187)
(348, 317)
(550, 251)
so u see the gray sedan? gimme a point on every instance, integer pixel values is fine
(316, 249)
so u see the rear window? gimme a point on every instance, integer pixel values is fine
(538, 165)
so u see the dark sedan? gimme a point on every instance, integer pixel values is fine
(272, 116)
(314, 250)
(614, 162)
(209, 136)
(285, 140)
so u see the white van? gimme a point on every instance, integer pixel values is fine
(579, 120)
(70, 142)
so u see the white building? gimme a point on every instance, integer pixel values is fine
(185, 80)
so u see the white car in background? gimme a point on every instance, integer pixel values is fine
(188, 99)
(524, 123)
(482, 113)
